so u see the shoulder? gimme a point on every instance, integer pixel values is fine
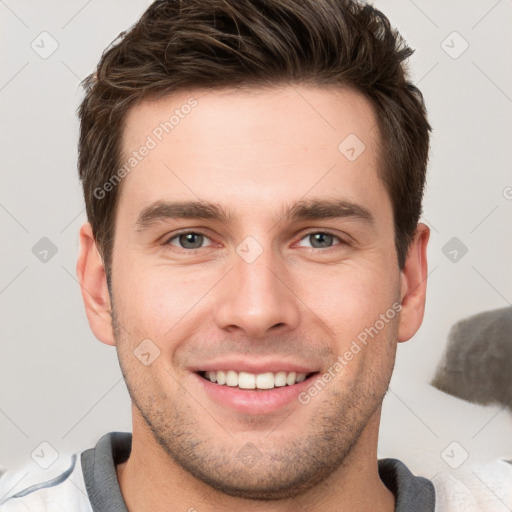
(59, 488)
(480, 487)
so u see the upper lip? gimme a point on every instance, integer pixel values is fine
(254, 366)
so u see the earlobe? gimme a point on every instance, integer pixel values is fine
(93, 283)
(414, 285)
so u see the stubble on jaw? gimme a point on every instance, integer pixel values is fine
(285, 468)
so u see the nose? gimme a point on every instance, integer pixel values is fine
(256, 299)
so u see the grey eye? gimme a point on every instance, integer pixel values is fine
(189, 240)
(320, 240)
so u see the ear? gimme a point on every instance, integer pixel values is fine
(93, 283)
(413, 279)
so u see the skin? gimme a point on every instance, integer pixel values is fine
(254, 152)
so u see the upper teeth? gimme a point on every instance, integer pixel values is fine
(246, 380)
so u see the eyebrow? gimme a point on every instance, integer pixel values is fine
(313, 209)
(163, 210)
(327, 209)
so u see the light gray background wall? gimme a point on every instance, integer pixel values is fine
(60, 386)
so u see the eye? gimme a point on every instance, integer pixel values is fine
(188, 240)
(193, 240)
(321, 239)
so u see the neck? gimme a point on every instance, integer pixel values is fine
(151, 481)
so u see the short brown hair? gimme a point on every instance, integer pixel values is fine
(184, 44)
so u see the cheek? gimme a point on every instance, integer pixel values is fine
(349, 298)
(152, 301)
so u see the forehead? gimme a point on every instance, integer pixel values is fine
(251, 146)
(329, 113)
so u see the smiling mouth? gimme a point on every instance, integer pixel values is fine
(250, 381)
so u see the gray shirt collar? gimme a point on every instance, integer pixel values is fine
(413, 494)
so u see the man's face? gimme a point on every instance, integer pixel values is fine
(259, 291)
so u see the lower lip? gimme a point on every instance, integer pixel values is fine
(251, 401)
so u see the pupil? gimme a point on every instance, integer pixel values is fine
(187, 240)
(322, 238)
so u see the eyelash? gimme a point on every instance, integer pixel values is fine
(198, 232)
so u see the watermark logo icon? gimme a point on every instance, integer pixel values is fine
(454, 249)
(44, 250)
(146, 352)
(249, 249)
(249, 455)
(454, 45)
(351, 147)
(44, 45)
(44, 455)
(454, 455)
